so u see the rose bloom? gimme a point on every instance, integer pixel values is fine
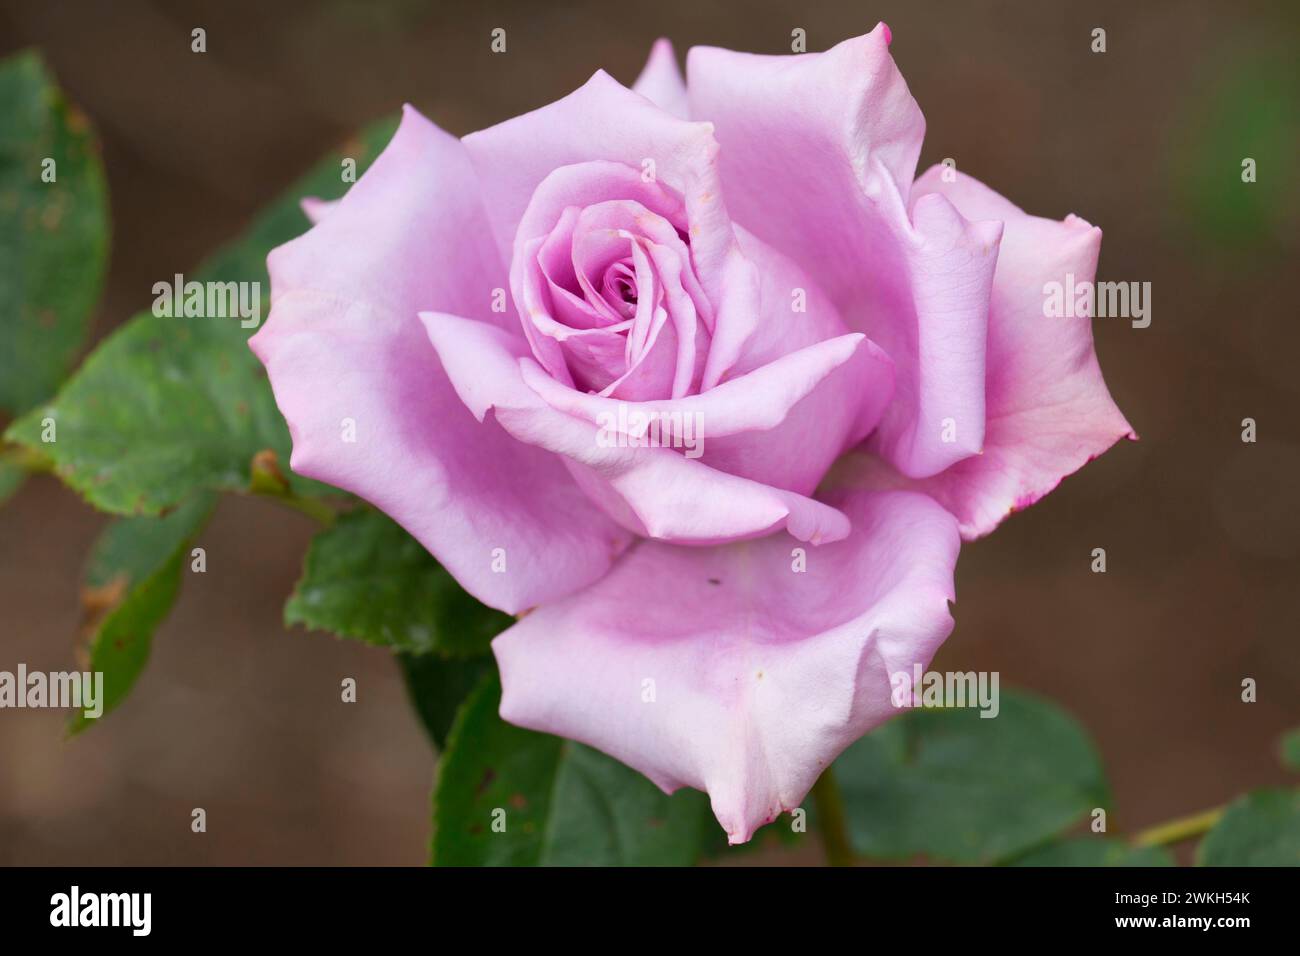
(750, 257)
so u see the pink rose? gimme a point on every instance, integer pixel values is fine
(600, 359)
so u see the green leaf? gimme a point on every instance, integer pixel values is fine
(1094, 851)
(438, 686)
(367, 579)
(1289, 750)
(11, 479)
(1261, 828)
(132, 580)
(951, 785)
(166, 407)
(1242, 107)
(53, 235)
(561, 803)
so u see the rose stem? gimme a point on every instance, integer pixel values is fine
(1178, 830)
(831, 821)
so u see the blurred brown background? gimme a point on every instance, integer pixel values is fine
(1202, 532)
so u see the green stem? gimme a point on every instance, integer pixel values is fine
(1175, 831)
(322, 513)
(831, 820)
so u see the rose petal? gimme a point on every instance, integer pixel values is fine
(756, 401)
(661, 81)
(345, 351)
(315, 208)
(792, 314)
(785, 427)
(655, 492)
(737, 675)
(552, 261)
(818, 153)
(781, 424)
(1048, 410)
(603, 121)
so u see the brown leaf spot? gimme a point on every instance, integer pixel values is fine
(98, 602)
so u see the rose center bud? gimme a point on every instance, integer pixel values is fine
(610, 301)
(620, 287)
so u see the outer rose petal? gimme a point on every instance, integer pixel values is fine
(316, 209)
(818, 153)
(1049, 412)
(656, 492)
(762, 676)
(661, 81)
(343, 342)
